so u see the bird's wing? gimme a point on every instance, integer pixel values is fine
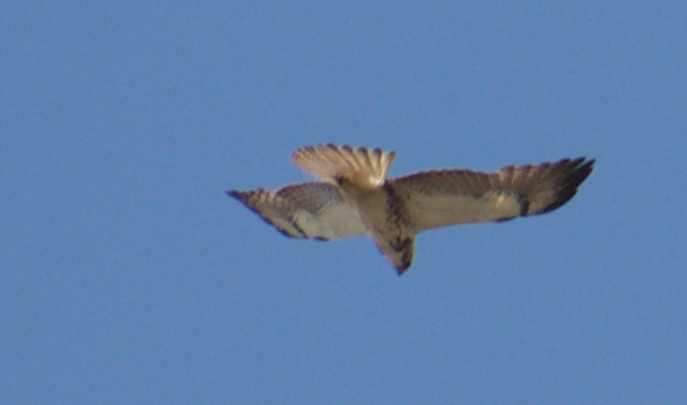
(451, 197)
(307, 210)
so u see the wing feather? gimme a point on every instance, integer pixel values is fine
(307, 210)
(451, 197)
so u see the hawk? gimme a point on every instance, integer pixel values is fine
(354, 197)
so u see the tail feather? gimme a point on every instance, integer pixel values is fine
(366, 168)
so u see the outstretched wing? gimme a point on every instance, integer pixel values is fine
(308, 210)
(451, 197)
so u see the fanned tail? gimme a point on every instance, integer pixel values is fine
(362, 167)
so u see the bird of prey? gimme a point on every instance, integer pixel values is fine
(354, 197)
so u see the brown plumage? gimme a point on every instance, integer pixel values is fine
(356, 198)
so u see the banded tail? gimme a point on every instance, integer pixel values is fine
(362, 167)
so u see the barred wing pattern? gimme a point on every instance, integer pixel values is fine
(307, 210)
(451, 197)
(355, 197)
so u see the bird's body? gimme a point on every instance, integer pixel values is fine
(356, 198)
(384, 215)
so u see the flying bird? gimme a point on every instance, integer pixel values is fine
(354, 197)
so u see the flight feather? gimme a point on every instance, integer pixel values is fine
(355, 197)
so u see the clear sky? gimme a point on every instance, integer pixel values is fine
(127, 276)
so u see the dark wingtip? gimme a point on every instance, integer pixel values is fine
(239, 195)
(581, 168)
(242, 197)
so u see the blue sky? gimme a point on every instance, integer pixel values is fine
(127, 276)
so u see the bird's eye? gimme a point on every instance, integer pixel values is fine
(339, 179)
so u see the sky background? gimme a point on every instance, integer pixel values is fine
(127, 276)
